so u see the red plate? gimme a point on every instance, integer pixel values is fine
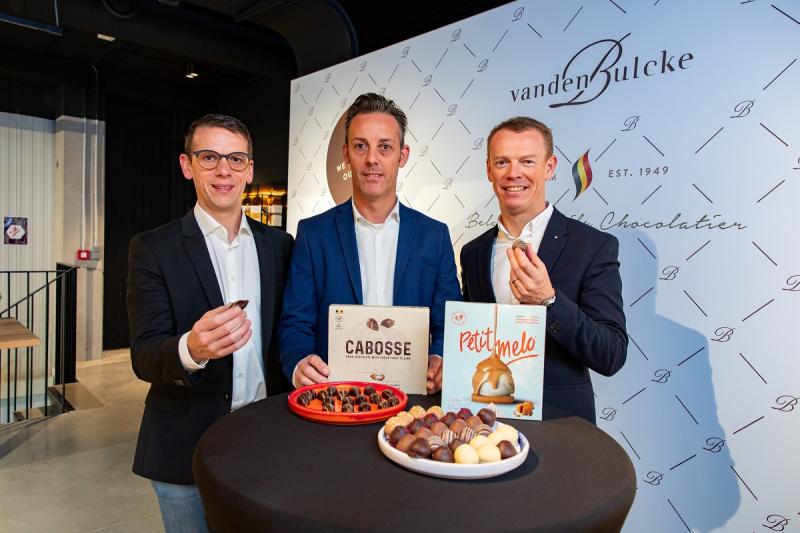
(346, 419)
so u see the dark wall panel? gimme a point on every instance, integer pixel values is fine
(144, 189)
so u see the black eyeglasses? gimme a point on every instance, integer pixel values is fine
(209, 159)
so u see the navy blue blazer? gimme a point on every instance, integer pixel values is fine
(585, 325)
(325, 270)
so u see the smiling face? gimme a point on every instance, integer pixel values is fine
(375, 155)
(219, 191)
(518, 165)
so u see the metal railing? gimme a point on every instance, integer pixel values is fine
(48, 311)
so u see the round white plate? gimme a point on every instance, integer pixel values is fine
(453, 470)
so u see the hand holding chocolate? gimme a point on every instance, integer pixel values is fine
(460, 437)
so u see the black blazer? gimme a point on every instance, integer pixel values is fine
(586, 324)
(171, 284)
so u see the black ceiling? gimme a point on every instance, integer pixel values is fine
(229, 42)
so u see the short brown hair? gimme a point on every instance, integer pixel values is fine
(375, 103)
(214, 120)
(520, 124)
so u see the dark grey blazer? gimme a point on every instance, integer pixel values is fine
(171, 284)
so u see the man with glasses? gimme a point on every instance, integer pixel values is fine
(189, 283)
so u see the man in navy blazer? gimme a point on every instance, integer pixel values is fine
(369, 250)
(568, 266)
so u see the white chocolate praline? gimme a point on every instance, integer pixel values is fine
(404, 417)
(437, 410)
(510, 433)
(489, 453)
(478, 441)
(390, 424)
(417, 411)
(466, 454)
(496, 437)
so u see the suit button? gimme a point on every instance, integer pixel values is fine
(179, 382)
(226, 396)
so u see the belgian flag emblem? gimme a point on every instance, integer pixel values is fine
(582, 174)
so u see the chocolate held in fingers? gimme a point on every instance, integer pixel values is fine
(241, 304)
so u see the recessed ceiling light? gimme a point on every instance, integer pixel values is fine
(105, 37)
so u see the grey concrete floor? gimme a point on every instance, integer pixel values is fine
(72, 472)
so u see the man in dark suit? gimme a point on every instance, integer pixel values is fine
(203, 356)
(568, 266)
(369, 250)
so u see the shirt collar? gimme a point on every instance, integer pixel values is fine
(537, 223)
(394, 214)
(209, 224)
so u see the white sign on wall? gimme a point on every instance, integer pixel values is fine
(686, 115)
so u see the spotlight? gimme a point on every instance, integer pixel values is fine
(190, 72)
(105, 37)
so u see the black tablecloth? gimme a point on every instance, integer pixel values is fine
(262, 468)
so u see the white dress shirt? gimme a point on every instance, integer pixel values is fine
(236, 267)
(532, 233)
(377, 254)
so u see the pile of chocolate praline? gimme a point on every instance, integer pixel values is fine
(348, 399)
(460, 437)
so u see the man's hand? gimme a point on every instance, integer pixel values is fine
(433, 381)
(219, 333)
(529, 281)
(311, 369)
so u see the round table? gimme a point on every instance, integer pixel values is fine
(262, 468)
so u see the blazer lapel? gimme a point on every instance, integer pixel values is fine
(484, 270)
(405, 243)
(554, 240)
(195, 245)
(266, 260)
(345, 227)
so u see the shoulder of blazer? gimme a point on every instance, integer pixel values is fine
(580, 230)
(427, 223)
(484, 239)
(324, 219)
(274, 235)
(165, 235)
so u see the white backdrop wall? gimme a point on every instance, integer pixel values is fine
(26, 184)
(706, 92)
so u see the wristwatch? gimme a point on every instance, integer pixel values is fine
(548, 302)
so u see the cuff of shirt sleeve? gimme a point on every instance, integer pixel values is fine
(294, 375)
(186, 359)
